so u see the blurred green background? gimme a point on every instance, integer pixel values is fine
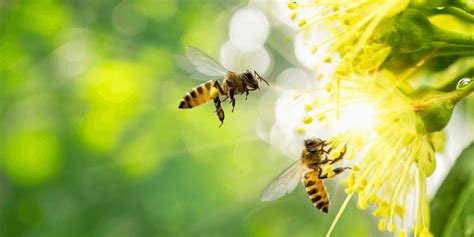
(92, 142)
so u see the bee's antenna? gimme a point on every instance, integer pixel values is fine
(260, 78)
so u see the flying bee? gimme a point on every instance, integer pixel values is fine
(308, 169)
(203, 67)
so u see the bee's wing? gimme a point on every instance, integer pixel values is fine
(284, 183)
(184, 64)
(203, 63)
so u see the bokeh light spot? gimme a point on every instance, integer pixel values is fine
(113, 92)
(127, 20)
(249, 28)
(158, 9)
(31, 157)
(140, 157)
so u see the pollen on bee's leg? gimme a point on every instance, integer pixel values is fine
(326, 169)
(213, 93)
(331, 174)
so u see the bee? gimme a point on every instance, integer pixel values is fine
(203, 67)
(308, 169)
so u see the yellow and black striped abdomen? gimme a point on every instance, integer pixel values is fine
(316, 191)
(197, 96)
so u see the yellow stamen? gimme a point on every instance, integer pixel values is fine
(302, 22)
(300, 130)
(327, 60)
(381, 225)
(292, 5)
(293, 15)
(308, 120)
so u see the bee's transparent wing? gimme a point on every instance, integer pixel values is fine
(184, 64)
(284, 183)
(203, 63)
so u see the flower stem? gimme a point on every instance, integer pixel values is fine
(442, 35)
(458, 12)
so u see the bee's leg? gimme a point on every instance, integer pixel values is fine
(318, 163)
(336, 172)
(339, 158)
(219, 110)
(232, 99)
(329, 150)
(246, 93)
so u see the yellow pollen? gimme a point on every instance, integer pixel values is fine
(347, 22)
(335, 154)
(329, 87)
(308, 120)
(292, 5)
(377, 212)
(362, 203)
(402, 234)
(293, 15)
(327, 169)
(300, 130)
(308, 107)
(302, 22)
(391, 227)
(372, 198)
(343, 149)
(355, 168)
(314, 49)
(331, 174)
(321, 117)
(349, 190)
(381, 225)
(327, 60)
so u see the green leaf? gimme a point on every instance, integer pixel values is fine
(452, 209)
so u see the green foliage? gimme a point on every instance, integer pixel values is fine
(452, 212)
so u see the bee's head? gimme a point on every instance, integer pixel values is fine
(251, 80)
(314, 145)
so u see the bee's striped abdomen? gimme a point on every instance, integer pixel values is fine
(316, 191)
(197, 96)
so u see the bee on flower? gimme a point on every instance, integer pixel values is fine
(378, 130)
(367, 110)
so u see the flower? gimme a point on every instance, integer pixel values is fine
(379, 132)
(360, 29)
